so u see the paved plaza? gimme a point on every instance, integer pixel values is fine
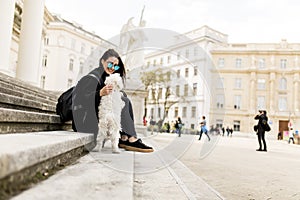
(238, 172)
(181, 168)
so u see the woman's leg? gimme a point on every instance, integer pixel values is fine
(127, 119)
(264, 141)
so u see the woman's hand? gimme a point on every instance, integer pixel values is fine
(106, 90)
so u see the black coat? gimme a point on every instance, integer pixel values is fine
(260, 119)
(86, 100)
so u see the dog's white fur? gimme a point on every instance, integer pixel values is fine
(110, 110)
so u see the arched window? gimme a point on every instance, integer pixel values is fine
(282, 84)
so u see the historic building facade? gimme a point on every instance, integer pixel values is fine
(47, 51)
(186, 65)
(258, 76)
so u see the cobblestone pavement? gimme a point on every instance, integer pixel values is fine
(237, 171)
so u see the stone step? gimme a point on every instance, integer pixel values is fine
(25, 95)
(22, 103)
(128, 175)
(26, 158)
(14, 84)
(12, 121)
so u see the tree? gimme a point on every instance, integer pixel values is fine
(158, 78)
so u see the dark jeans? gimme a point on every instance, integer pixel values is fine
(205, 134)
(261, 138)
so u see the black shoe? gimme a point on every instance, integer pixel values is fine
(138, 146)
(123, 143)
(258, 149)
(265, 150)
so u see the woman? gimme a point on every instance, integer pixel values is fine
(87, 97)
(262, 119)
(203, 129)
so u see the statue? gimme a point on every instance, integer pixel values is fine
(131, 44)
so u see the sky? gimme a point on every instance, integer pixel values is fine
(244, 21)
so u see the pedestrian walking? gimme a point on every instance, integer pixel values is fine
(203, 128)
(291, 135)
(178, 126)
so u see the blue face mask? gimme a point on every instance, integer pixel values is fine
(110, 65)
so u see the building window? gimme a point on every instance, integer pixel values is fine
(70, 82)
(282, 103)
(221, 62)
(261, 84)
(161, 61)
(195, 70)
(71, 64)
(195, 51)
(148, 64)
(153, 93)
(261, 102)
(159, 93)
(184, 112)
(154, 62)
(220, 101)
(43, 81)
(237, 101)
(44, 62)
(186, 90)
(176, 112)
(193, 126)
(159, 112)
(283, 63)
(177, 90)
(194, 89)
(186, 72)
(238, 83)
(261, 63)
(236, 125)
(81, 67)
(193, 113)
(282, 84)
(178, 73)
(238, 63)
(152, 112)
(169, 59)
(46, 41)
(168, 75)
(178, 55)
(219, 123)
(187, 53)
(82, 49)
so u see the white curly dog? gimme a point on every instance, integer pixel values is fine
(110, 110)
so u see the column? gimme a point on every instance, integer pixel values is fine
(272, 92)
(252, 92)
(7, 9)
(296, 93)
(29, 54)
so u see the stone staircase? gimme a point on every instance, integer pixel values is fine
(33, 141)
(26, 108)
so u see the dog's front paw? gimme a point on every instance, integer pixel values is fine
(97, 148)
(116, 151)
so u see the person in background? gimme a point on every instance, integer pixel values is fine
(203, 128)
(291, 135)
(262, 118)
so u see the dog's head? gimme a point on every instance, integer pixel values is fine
(115, 80)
